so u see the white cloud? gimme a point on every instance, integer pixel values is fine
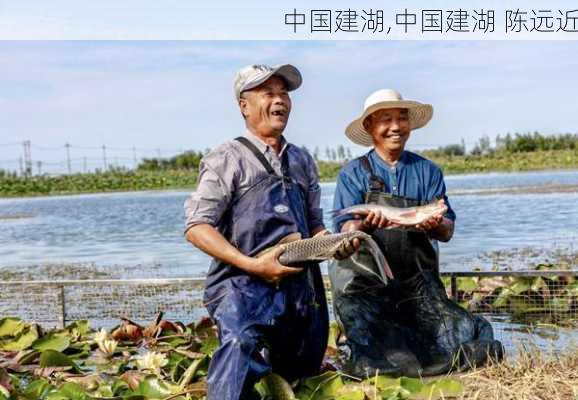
(179, 94)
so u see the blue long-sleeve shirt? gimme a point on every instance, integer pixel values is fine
(413, 177)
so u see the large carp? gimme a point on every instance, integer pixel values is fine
(324, 247)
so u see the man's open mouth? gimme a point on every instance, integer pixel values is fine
(279, 113)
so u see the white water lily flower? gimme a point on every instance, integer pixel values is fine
(108, 346)
(100, 336)
(152, 361)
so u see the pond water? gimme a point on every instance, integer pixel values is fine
(128, 235)
(143, 232)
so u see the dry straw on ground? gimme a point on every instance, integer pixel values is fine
(530, 375)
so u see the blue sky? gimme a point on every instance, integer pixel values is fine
(178, 95)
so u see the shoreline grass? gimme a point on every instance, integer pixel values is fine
(121, 180)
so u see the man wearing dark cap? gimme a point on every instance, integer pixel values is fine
(253, 191)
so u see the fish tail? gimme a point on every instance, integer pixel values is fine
(382, 263)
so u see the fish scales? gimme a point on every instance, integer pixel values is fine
(317, 248)
(325, 247)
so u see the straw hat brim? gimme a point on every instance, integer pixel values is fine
(419, 115)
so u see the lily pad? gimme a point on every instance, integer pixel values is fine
(22, 341)
(154, 388)
(69, 391)
(439, 389)
(10, 326)
(51, 342)
(274, 386)
(53, 358)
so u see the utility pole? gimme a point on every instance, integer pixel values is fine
(39, 167)
(67, 145)
(27, 158)
(134, 157)
(104, 157)
(159, 154)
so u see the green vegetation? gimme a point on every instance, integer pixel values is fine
(507, 162)
(520, 152)
(551, 299)
(113, 180)
(189, 160)
(164, 360)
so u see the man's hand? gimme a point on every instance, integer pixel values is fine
(268, 267)
(347, 249)
(376, 220)
(211, 241)
(430, 224)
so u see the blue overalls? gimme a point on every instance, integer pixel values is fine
(409, 327)
(264, 327)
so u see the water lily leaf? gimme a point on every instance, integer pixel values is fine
(37, 389)
(274, 386)
(412, 385)
(89, 383)
(383, 382)
(439, 389)
(210, 345)
(154, 388)
(120, 387)
(324, 386)
(520, 286)
(69, 391)
(467, 284)
(11, 326)
(53, 358)
(192, 370)
(178, 364)
(354, 392)
(51, 342)
(22, 341)
(25, 357)
(538, 283)
(78, 329)
(559, 305)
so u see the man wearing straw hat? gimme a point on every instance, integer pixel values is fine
(252, 192)
(409, 327)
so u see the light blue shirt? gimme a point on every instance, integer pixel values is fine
(413, 177)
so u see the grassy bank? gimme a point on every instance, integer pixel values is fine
(494, 162)
(112, 181)
(508, 162)
(123, 180)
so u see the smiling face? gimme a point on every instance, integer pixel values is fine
(389, 129)
(266, 108)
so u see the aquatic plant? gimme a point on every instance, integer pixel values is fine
(164, 360)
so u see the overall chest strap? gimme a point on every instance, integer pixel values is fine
(247, 143)
(376, 184)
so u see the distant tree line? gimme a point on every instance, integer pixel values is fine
(516, 143)
(510, 143)
(189, 160)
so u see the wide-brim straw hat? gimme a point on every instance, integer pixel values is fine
(419, 114)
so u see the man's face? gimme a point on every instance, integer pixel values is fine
(389, 128)
(266, 108)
